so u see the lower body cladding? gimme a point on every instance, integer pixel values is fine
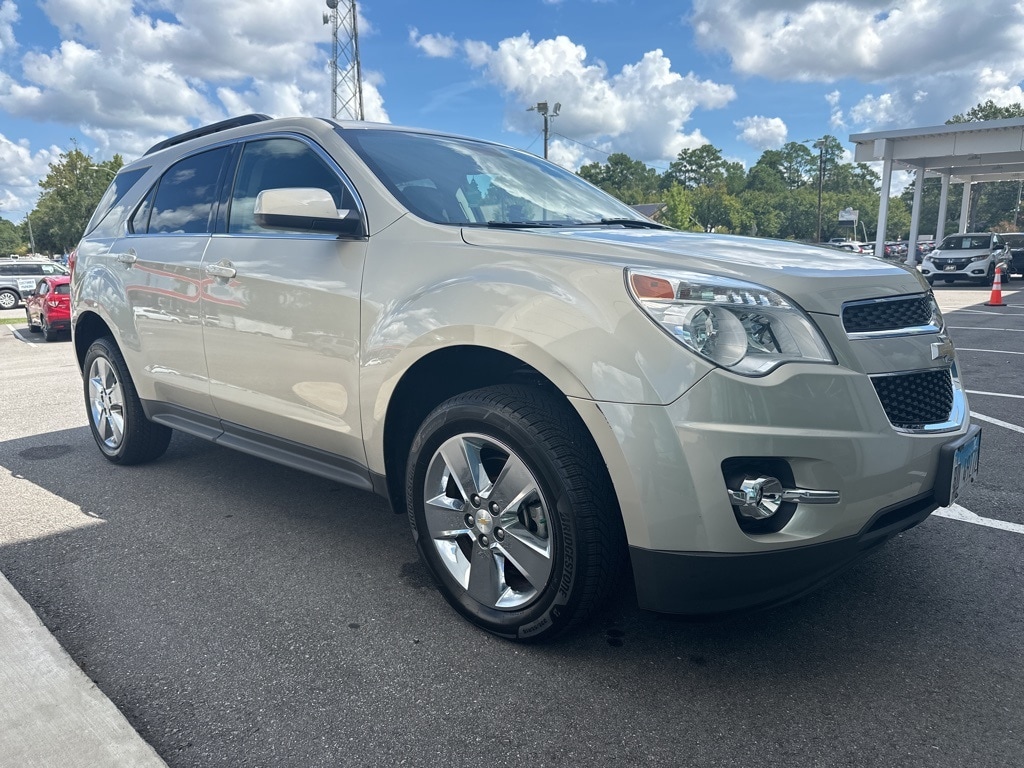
(745, 493)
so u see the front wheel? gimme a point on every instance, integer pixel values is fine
(513, 511)
(118, 423)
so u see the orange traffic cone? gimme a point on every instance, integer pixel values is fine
(996, 299)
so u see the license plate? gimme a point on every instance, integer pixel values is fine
(958, 466)
(949, 268)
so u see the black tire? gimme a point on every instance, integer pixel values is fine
(931, 280)
(48, 333)
(32, 327)
(8, 299)
(122, 432)
(989, 277)
(529, 541)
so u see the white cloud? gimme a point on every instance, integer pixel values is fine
(762, 132)
(8, 16)
(20, 170)
(643, 107)
(931, 58)
(435, 46)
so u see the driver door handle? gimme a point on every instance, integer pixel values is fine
(223, 269)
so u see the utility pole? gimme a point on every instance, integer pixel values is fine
(541, 107)
(346, 74)
(820, 146)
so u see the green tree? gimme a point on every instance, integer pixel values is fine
(698, 167)
(71, 190)
(988, 110)
(678, 211)
(11, 240)
(632, 181)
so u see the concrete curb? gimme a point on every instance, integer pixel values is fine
(50, 713)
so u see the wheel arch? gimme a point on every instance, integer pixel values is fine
(86, 330)
(428, 382)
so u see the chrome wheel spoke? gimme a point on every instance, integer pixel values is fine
(445, 519)
(530, 556)
(486, 577)
(513, 484)
(462, 458)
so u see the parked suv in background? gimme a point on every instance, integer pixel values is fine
(543, 381)
(20, 276)
(1015, 242)
(972, 256)
(48, 306)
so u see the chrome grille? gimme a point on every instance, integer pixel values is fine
(915, 400)
(887, 314)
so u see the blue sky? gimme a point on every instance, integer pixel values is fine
(644, 77)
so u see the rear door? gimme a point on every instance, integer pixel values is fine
(281, 311)
(161, 258)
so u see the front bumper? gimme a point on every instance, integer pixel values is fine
(689, 552)
(975, 270)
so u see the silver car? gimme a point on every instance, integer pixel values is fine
(559, 393)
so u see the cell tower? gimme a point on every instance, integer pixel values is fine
(346, 77)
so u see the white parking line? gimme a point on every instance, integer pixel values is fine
(986, 311)
(992, 394)
(983, 328)
(956, 512)
(997, 351)
(997, 422)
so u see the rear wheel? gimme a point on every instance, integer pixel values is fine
(48, 333)
(8, 299)
(513, 511)
(122, 432)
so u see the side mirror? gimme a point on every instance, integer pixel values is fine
(306, 209)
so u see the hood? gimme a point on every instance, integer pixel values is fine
(819, 279)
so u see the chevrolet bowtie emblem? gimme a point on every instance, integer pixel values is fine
(943, 349)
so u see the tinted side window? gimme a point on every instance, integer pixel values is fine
(7, 269)
(64, 289)
(186, 194)
(139, 222)
(123, 181)
(52, 269)
(277, 164)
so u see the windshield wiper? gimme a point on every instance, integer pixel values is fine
(633, 223)
(526, 224)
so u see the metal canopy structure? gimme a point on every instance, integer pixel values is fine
(961, 153)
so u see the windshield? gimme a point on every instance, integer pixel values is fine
(472, 183)
(966, 242)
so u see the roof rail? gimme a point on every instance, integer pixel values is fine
(206, 130)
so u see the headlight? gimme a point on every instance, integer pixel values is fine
(746, 328)
(980, 257)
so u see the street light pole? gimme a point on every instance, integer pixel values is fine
(541, 107)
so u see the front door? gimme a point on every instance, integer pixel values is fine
(281, 311)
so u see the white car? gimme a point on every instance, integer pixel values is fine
(971, 256)
(551, 387)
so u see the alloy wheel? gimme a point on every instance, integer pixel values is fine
(488, 520)
(106, 403)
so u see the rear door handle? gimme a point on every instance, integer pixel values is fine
(128, 258)
(223, 269)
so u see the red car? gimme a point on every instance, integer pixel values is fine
(48, 307)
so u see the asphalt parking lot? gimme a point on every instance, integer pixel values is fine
(243, 614)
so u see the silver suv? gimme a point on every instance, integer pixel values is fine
(18, 277)
(552, 388)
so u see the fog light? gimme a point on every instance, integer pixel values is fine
(758, 497)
